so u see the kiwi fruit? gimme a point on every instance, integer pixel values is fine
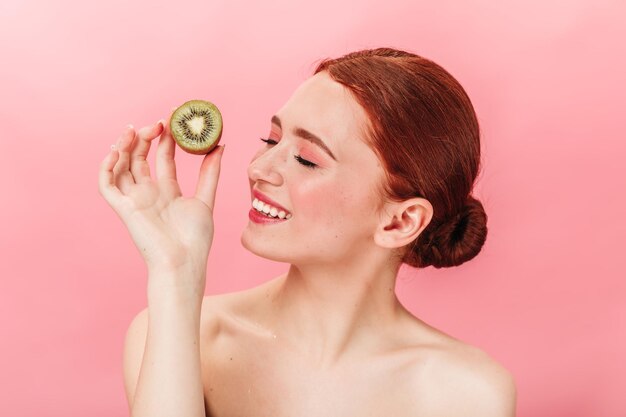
(196, 126)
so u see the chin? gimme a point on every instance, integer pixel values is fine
(288, 254)
(256, 247)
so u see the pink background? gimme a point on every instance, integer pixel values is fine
(546, 297)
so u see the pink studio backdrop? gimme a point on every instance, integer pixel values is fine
(546, 296)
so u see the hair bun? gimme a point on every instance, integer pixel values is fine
(456, 240)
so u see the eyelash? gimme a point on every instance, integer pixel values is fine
(307, 164)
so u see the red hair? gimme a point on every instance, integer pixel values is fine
(425, 132)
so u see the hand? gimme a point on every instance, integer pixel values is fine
(170, 231)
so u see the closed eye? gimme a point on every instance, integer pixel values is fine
(304, 162)
(298, 158)
(269, 141)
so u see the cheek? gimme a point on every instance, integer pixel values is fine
(314, 203)
(332, 205)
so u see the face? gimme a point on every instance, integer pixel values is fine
(331, 199)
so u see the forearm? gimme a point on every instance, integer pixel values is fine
(170, 382)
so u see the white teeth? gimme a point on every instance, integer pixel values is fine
(269, 210)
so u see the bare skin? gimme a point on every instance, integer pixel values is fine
(409, 369)
(327, 338)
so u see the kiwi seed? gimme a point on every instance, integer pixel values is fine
(197, 126)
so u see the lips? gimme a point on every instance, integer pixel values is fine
(268, 200)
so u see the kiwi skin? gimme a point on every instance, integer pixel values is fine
(178, 135)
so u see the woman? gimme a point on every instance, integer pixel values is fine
(372, 162)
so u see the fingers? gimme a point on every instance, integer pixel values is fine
(165, 165)
(122, 175)
(106, 178)
(209, 176)
(138, 156)
(127, 164)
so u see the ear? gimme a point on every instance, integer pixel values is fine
(401, 223)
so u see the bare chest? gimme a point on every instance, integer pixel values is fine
(247, 377)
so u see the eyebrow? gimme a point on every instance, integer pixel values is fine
(306, 135)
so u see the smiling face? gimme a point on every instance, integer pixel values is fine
(333, 202)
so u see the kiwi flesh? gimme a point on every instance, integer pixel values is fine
(196, 126)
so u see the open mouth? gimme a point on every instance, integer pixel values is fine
(269, 210)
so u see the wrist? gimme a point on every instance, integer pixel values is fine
(172, 265)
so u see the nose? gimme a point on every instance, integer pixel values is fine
(267, 165)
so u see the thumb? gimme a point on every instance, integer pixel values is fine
(209, 176)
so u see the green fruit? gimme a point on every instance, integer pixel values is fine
(197, 126)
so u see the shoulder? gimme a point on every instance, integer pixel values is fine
(463, 380)
(234, 302)
(220, 312)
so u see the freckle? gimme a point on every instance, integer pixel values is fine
(231, 359)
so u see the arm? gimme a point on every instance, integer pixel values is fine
(134, 346)
(162, 358)
(173, 234)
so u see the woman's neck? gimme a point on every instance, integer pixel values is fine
(327, 312)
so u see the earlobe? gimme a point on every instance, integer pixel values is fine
(403, 223)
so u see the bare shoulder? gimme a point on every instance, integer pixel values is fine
(214, 309)
(232, 301)
(463, 380)
(220, 309)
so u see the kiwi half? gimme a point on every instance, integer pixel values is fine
(197, 126)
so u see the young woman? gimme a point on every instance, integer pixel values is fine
(370, 164)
